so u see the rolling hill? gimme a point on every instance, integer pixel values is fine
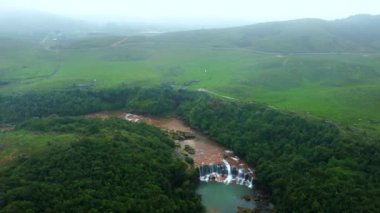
(314, 141)
(358, 33)
(327, 68)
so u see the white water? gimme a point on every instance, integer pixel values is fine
(229, 176)
(240, 177)
(215, 173)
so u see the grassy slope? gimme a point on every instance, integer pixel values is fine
(23, 143)
(342, 87)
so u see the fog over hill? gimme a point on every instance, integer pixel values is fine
(32, 23)
(358, 33)
(37, 24)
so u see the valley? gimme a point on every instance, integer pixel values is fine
(331, 85)
(281, 146)
(209, 159)
(280, 116)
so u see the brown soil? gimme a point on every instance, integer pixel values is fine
(206, 151)
(167, 123)
(104, 115)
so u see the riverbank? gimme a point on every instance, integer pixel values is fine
(206, 151)
(232, 191)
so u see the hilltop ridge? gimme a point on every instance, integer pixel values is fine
(359, 33)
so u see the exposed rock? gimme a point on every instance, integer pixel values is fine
(188, 135)
(6, 127)
(246, 198)
(179, 135)
(189, 149)
(244, 210)
(228, 153)
(132, 117)
(234, 171)
(235, 158)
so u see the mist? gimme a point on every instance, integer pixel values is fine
(210, 13)
(126, 17)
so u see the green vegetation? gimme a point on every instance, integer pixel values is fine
(156, 101)
(296, 36)
(22, 143)
(307, 164)
(93, 165)
(306, 65)
(312, 67)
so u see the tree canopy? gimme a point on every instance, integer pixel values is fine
(112, 166)
(307, 164)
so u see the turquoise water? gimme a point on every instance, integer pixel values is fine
(219, 197)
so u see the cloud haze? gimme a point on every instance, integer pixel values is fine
(252, 10)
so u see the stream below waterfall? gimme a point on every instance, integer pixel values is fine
(226, 181)
(223, 198)
(219, 195)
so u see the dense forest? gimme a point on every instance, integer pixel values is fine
(112, 166)
(310, 165)
(20, 107)
(307, 164)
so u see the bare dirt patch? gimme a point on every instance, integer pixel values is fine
(206, 150)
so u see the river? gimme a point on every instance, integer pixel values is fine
(220, 196)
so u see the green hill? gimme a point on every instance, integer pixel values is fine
(355, 34)
(306, 164)
(327, 68)
(93, 165)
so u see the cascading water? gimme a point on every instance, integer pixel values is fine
(211, 171)
(240, 177)
(224, 173)
(229, 175)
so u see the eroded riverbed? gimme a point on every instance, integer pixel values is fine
(222, 197)
(206, 151)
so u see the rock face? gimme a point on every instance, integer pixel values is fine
(132, 117)
(179, 135)
(189, 150)
(228, 153)
(189, 135)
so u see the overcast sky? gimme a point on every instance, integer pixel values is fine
(248, 10)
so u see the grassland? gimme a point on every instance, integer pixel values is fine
(15, 144)
(338, 86)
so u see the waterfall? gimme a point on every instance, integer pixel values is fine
(240, 179)
(229, 176)
(224, 173)
(250, 182)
